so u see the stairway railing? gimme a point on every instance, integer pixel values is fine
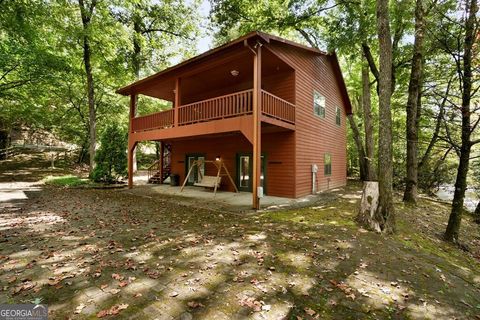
(153, 169)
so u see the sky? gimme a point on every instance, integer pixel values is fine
(206, 40)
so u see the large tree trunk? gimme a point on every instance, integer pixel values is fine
(410, 195)
(86, 14)
(358, 143)
(453, 227)
(367, 115)
(385, 216)
(368, 206)
(136, 64)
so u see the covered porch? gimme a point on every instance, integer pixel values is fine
(234, 150)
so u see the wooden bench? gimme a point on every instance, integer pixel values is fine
(209, 182)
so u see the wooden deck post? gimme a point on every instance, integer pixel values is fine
(257, 107)
(131, 143)
(131, 149)
(162, 151)
(177, 102)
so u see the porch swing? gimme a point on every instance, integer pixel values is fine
(209, 181)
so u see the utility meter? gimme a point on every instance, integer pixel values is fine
(314, 168)
(260, 192)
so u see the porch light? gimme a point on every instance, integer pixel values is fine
(217, 158)
(234, 73)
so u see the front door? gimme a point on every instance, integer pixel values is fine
(245, 172)
(194, 175)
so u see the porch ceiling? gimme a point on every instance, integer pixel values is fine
(207, 136)
(213, 76)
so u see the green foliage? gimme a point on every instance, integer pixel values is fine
(344, 27)
(42, 76)
(111, 157)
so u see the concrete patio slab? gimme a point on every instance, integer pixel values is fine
(224, 201)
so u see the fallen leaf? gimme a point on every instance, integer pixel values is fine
(25, 286)
(251, 303)
(309, 311)
(194, 304)
(116, 276)
(112, 311)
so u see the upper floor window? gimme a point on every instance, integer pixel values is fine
(338, 116)
(318, 104)
(327, 164)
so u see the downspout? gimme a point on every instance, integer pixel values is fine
(314, 178)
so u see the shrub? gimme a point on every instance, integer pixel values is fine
(111, 157)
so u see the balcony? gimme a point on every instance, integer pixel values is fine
(274, 109)
(158, 120)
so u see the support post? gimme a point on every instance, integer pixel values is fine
(131, 143)
(131, 149)
(176, 103)
(257, 125)
(162, 163)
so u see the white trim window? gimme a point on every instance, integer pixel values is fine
(318, 104)
(327, 164)
(338, 116)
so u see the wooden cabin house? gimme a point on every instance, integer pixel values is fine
(273, 111)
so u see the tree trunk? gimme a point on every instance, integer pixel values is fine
(385, 212)
(367, 114)
(414, 92)
(86, 14)
(438, 125)
(476, 214)
(136, 63)
(368, 206)
(455, 219)
(358, 143)
(453, 227)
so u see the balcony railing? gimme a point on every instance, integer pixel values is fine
(230, 105)
(275, 107)
(159, 120)
(227, 106)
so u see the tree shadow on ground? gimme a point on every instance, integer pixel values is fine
(84, 251)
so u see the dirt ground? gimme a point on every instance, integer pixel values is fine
(91, 253)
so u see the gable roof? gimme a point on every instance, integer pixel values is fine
(267, 38)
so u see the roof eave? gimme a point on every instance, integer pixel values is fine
(127, 90)
(343, 88)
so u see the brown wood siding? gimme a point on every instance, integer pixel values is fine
(316, 136)
(278, 148)
(281, 84)
(219, 91)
